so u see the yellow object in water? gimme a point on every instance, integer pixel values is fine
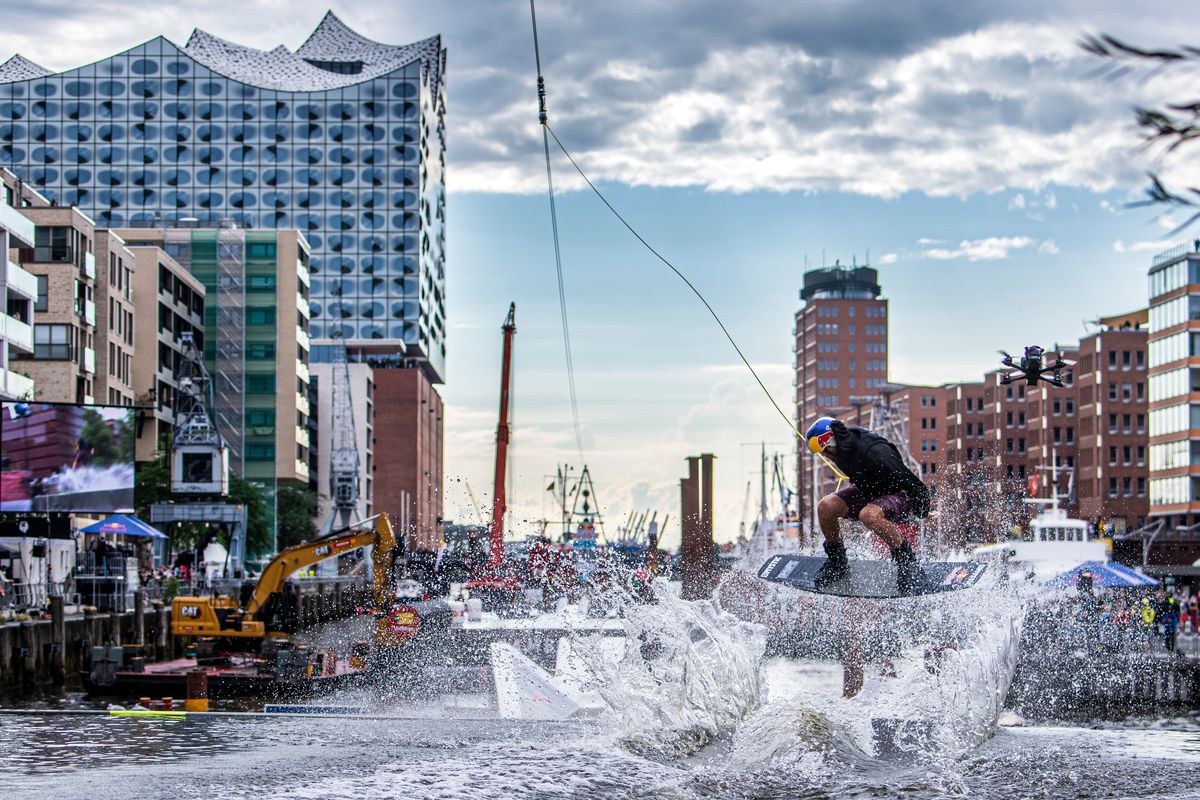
(152, 714)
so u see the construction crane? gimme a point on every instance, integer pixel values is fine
(200, 460)
(199, 454)
(745, 513)
(474, 502)
(343, 455)
(493, 575)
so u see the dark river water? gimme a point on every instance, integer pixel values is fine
(96, 757)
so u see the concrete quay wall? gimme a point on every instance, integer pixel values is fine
(41, 654)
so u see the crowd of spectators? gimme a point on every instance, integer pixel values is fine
(1125, 620)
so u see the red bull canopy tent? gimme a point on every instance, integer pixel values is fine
(1111, 575)
(125, 525)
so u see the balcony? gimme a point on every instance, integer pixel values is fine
(19, 226)
(48, 254)
(21, 282)
(302, 339)
(302, 404)
(17, 333)
(14, 386)
(89, 265)
(301, 470)
(89, 360)
(302, 305)
(302, 372)
(89, 313)
(302, 271)
(302, 437)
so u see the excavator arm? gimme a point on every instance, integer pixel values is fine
(297, 557)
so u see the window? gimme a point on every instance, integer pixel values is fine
(1112, 359)
(1112, 456)
(1112, 487)
(259, 283)
(260, 350)
(260, 417)
(260, 384)
(260, 452)
(52, 342)
(260, 315)
(43, 293)
(260, 249)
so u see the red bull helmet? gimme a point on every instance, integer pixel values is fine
(819, 434)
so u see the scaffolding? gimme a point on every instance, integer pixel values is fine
(230, 359)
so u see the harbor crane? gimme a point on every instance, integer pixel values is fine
(200, 460)
(344, 471)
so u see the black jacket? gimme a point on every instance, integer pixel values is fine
(874, 466)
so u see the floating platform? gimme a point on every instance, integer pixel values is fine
(234, 680)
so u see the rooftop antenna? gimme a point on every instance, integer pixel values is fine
(868, 262)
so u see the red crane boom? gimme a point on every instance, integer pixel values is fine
(496, 554)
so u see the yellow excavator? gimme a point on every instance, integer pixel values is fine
(221, 617)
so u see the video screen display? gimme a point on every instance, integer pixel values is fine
(66, 457)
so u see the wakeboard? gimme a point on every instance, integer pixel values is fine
(871, 578)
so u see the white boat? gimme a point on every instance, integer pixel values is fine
(1054, 544)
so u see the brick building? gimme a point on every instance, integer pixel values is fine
(1112, 473)
(841, 351)
(408, 453)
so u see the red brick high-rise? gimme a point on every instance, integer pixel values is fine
(408, 453)
(841, 352)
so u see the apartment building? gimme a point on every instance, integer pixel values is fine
(170, 302)
(63, 263)
(256, 345)
(115, 324)
(18, 287)
(1112, 403)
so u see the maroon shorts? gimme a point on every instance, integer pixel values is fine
(896, 507)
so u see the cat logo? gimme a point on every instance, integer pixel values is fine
(323, 550)
(189, 611)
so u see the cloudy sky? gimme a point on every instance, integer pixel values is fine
(969, 149)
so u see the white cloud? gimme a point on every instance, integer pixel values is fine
(1142, 247)
(1017, 203)
(888, 258)
(1051, 201)
(993, 248)
(941, 102)
(1049, 247)
(925, 241)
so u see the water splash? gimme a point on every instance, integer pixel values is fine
(688, 674)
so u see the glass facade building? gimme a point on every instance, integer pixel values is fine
(342, 139)
(1174, 281)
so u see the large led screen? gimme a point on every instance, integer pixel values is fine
(66, 457)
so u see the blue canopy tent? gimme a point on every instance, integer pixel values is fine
(125, 525)
(1110, 575)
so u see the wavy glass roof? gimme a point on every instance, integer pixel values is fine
(283, 70)
(20, 68)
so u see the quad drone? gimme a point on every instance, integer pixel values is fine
(1031, 367)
